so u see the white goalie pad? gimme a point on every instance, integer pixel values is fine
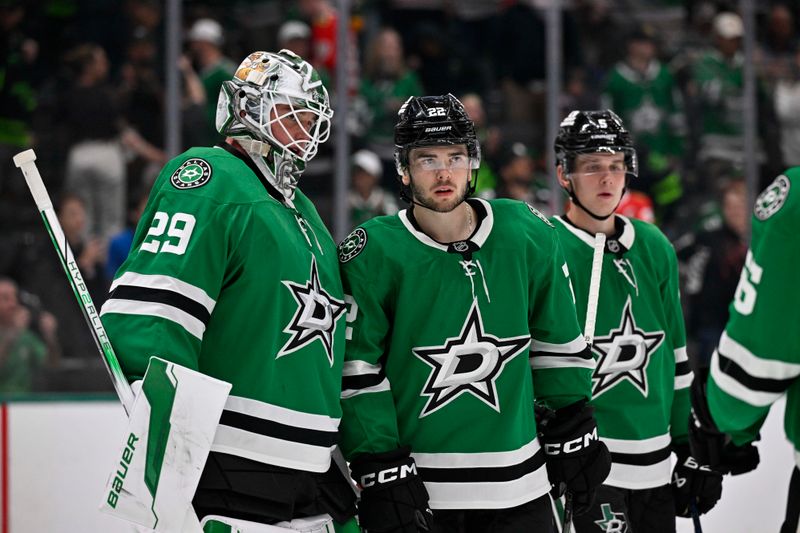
(170, 431)
(312, 524)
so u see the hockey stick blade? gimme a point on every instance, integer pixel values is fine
(26, 162)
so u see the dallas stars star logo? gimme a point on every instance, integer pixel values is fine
(624, 354)
(315, 318)
(612, 522)
(469, 363)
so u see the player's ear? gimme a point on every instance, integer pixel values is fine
(406, 179)
(562, 178)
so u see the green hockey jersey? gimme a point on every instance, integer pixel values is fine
(640, 386)
(441, 342)
(225, 279)
(758, 357)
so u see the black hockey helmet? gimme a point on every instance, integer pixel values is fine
(586, 132)
(434, 121)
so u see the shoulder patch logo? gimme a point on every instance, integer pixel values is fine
(772, 198)
(539, 215)
(352, 245)
(191, 174)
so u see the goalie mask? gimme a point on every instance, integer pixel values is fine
(434, 121)
(278, 110)
(592, 132)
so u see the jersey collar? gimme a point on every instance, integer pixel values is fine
(478, 237)
(625, 235)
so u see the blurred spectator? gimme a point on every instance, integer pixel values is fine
(205, 44)
(489, 137)
(787, 110)
(193, 111)
(517, 178)
(711, 260)
(44, 276)
(22, 353)
(387, 83)
(636, 204)
(367, 199)
(777, 48)
(95, 162)
(120, 244)
(323, 20)
(295, 35)
(602, 36)
(640, 89)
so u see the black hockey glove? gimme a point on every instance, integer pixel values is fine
(693, 483)
(576, 459)
(708, 444)
(393, 497)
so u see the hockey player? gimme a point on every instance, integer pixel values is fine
(451, 302)
(758, 356)
(233, 274)
(640, 385)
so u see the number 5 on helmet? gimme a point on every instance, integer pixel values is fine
(165, 447)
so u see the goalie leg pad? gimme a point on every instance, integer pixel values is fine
(170, 431)
(224, 524)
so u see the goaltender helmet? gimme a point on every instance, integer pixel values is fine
(587, 132)
(246, 109)
(434, 121)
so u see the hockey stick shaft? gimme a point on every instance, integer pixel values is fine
(594, 287)
(698, 527)
(26, 162)
(588, 334)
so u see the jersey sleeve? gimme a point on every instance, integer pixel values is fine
(675, 329)
(758, 356)
(561, 361)
(162, 299)
(369, 417)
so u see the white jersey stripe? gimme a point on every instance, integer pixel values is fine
(681, 355)
(738, 390)
(477, 460)
(270, 450)
(358, 368)
(754, 365)
(282, 415)
(135, 307)
(683, 381)
(639, 477)
(652, 444)
(169, 283)
(548, 361)
(576, 345)
(489, 495)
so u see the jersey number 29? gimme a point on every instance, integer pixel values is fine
(181, 226)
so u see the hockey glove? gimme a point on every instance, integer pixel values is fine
(708, 444)
(393, 497)
(576, 459)
(692, 482)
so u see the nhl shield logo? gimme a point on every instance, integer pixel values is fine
(191, 174)
(352, 245)
(772, 199)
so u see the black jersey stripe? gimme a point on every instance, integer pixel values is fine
(583, 354)
(683, 368)
(492, 474)
(269, 428)
(162, 296)
(731, 368)
(362, 381)
(642, 459)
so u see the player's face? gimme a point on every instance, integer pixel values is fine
(292, 129)
(598, 181)
(440, 176)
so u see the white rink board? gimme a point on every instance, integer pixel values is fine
(61, 452)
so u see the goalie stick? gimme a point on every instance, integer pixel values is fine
(588, 335)
(26, 162)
